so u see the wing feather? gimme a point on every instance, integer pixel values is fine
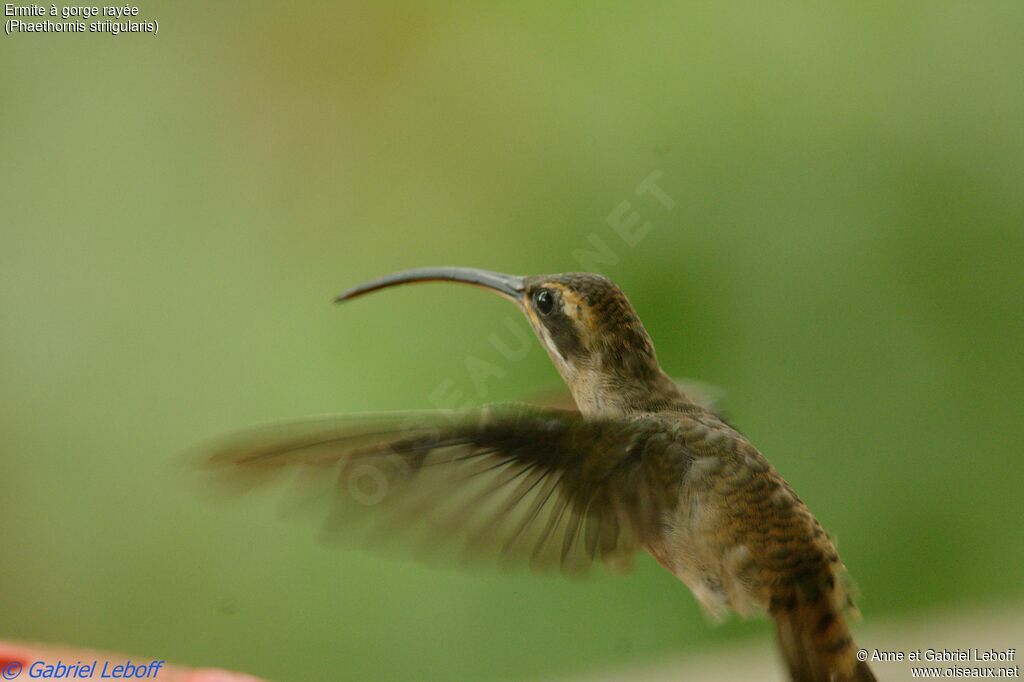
(519, 484)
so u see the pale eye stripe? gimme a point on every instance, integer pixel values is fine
(580, 315)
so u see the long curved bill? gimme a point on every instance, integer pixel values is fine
(509, 286)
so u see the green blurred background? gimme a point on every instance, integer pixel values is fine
(844, 256)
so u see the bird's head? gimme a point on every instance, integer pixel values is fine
(587, 326)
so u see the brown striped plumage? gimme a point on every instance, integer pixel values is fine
(639, 465)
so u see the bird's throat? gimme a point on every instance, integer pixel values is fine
(609, 394)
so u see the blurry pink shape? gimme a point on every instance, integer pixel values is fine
(217, 676)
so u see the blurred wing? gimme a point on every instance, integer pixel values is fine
(519, 484)
(708, 396)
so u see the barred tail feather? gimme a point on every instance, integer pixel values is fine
(814, 638)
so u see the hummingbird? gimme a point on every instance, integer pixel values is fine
(639, 465)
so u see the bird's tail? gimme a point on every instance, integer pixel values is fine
(813, 635)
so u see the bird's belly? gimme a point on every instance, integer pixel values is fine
(716, 568)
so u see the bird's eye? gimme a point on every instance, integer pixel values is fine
(545, 301)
